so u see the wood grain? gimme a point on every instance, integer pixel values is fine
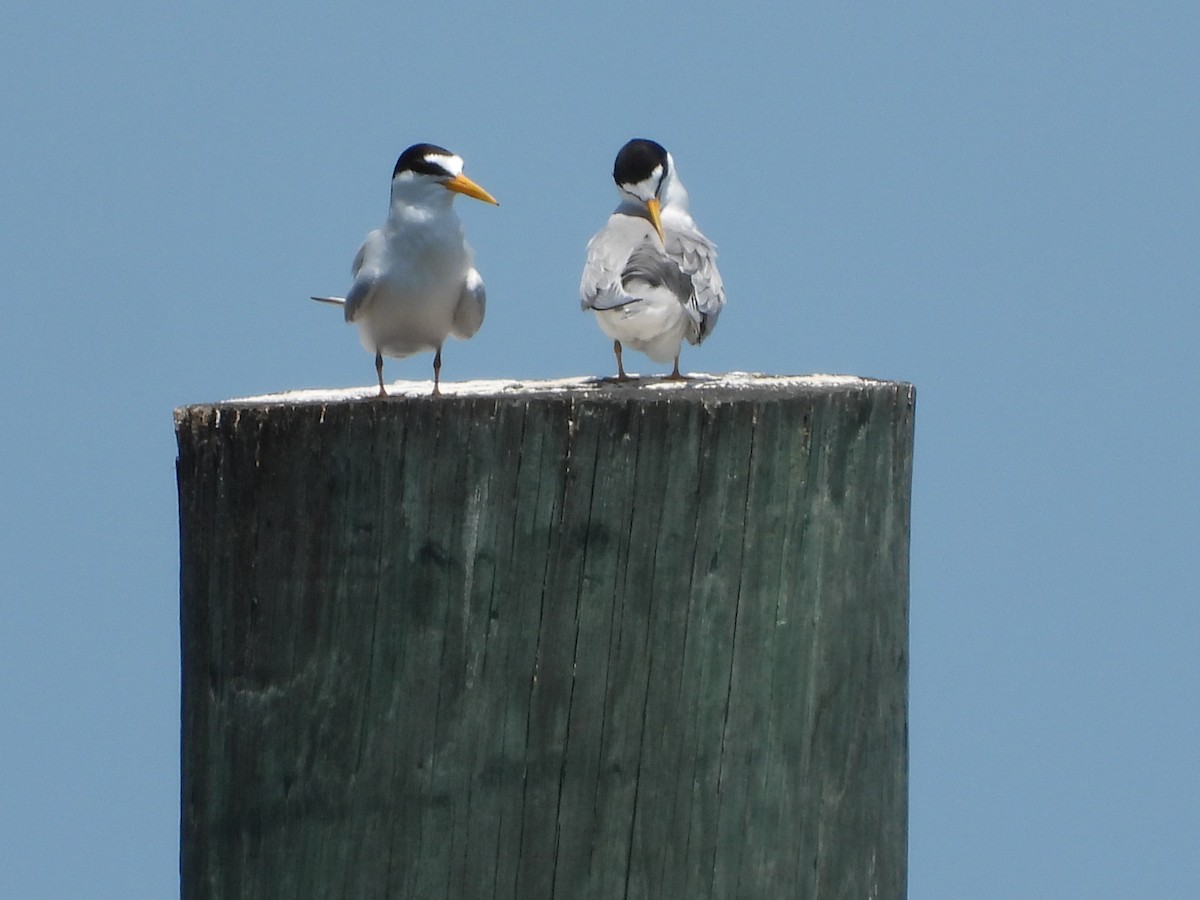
(614, 644)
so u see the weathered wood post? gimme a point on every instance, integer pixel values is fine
(551, 640)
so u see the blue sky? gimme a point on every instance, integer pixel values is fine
(1000, 204)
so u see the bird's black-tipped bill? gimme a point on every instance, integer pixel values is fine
(461, 184)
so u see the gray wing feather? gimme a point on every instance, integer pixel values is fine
(472, 304)
(600, 287)
(358, 257)
(649, 265)
(359, 296)
(696, 257)
(365, 273)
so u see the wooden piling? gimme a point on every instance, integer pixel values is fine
(548, 640)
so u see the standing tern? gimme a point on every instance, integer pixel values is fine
(414, 279)
(651, 277)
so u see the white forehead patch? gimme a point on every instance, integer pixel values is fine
(451, 163)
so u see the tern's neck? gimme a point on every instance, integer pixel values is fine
(673, 195)
(419, 202)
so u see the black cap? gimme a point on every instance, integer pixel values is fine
(637, 160)
(415, 159)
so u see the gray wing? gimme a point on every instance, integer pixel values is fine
(472, 303)
(696, 257)
(648, 266)
(359, 295)
(601, 286)
(365, 272)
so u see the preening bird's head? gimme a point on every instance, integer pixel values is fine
(428, 164)
(643, 171)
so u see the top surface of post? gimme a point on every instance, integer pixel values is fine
(728, 387)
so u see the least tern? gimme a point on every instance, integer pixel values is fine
(651, 277)
(414, 279)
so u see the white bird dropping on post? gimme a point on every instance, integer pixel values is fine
(414, 279)
(651, 276)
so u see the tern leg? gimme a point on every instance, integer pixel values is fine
(437, 372)
(675, 376)
(621, 376)
(379, 372)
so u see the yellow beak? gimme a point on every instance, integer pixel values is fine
(653, 206)
(461, 184)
